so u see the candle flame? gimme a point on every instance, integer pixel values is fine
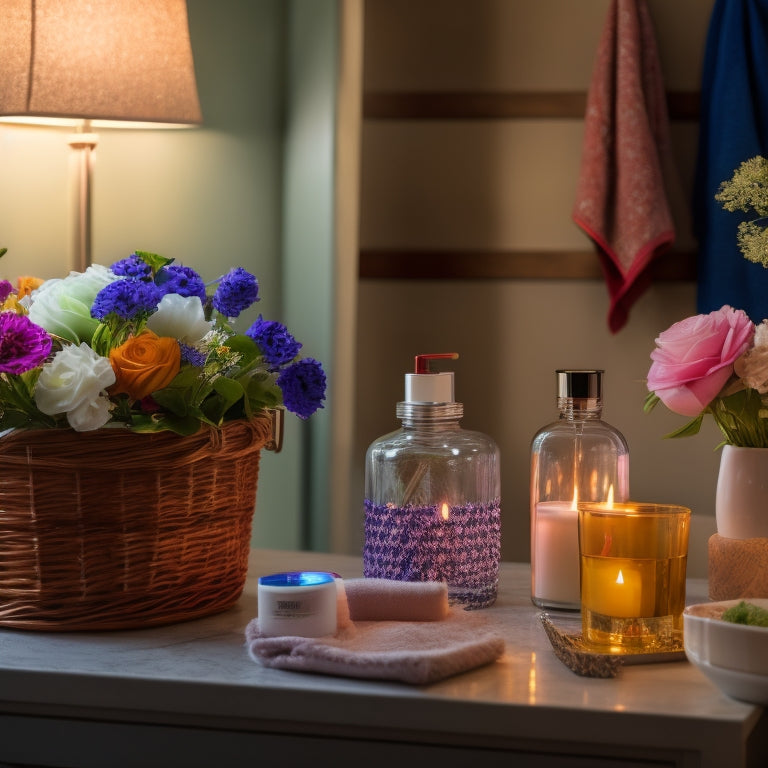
(445, 511)
(609, 501)
(575, 502)
(620, 577)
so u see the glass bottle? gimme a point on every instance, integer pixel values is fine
(579, 457)
(432, 495)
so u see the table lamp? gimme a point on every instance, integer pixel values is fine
(96, 63)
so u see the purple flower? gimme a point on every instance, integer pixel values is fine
(182, 280)
(303, 387)
(236, 292)
(193, 356)
(127, 298)
(276, 343)
(23, 345)
(133, 266)
(6, 289)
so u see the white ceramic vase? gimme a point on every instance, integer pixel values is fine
(741, 505)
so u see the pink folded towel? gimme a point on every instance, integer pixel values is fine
(388, 630)
(388, 600)
(621, 201)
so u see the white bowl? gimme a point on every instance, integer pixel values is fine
(733, 656)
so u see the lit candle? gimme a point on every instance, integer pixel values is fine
(612, 587)
(446, 556)
(633, 572)
(556, 568)
(556, 552)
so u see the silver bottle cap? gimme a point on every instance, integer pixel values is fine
(580, 384)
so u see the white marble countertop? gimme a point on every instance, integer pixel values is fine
(198, 675)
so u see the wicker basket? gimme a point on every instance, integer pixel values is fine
(110, 529)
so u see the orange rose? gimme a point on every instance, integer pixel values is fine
(26, 284)
(144, 364)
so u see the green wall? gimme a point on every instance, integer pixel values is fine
(308, 232)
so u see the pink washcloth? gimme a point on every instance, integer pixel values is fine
(621, 202)
(414, 637)
(387, 600)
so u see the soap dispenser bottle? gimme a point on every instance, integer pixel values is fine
(577, 458)
(432, 495)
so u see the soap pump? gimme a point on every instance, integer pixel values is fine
(432, 494)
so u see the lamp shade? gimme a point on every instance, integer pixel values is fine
(125, 60)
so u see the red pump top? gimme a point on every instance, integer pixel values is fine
(422, 361)
(424, 386)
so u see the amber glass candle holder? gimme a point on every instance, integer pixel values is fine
(633, 559)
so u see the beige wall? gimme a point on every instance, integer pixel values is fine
(506, 185)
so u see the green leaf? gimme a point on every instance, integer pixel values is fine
(17, 402)
(101, 340)
(181, 425)
(155, 261)
(177, 400)
(184, 393)
(246, 347)
(12, 419)
(229, 389)
(689, 429)
(651, 400)
(227, 393)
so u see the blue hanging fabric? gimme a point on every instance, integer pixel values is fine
(734, 128)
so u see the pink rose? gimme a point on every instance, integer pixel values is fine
(694, 358)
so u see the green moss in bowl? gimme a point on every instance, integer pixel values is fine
(746, 613)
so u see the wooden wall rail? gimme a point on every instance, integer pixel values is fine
(477, 265)
(493, 105)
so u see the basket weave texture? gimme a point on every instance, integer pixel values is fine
(110, 529)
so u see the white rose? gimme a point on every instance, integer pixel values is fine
(63, 305)
(180, 317)
(73, 383)
(752, 366)
(90, 415)
(761, 334)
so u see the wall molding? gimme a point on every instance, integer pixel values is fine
(498, 105)
(478, 264)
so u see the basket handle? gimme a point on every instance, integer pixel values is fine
(275, 443)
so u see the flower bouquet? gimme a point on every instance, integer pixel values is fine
(715, 364)
(144, 345)
(133, 416)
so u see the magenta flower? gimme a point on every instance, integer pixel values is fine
(23, 345)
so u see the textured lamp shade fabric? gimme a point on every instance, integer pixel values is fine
(126, 60)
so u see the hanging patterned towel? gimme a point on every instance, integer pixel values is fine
(621, 202)
(733, 128)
